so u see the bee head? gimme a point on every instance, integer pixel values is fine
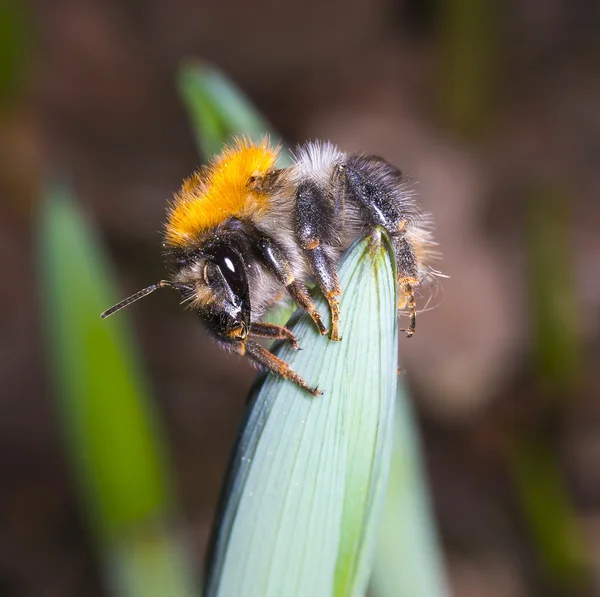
(222, 294)
(214, 280)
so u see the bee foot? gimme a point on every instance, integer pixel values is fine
(319, 323)
(335, 335)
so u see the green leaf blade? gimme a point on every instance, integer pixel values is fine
(112, 436)
(309, 474)
(219, 111)
(99, 381)
(408, 558)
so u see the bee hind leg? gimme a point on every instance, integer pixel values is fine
(262, 357)
(407, 281)
(379, 189)
(409, 303)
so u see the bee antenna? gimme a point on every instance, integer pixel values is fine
(137, 296)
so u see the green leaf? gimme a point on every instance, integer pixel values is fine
(219, 111)
(551, 517)
(111, 433)
(408, 560)
(15, 44)
(539, 482)
(467, 44)
(302, 505)
(555, 321)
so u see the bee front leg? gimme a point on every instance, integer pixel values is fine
(262, 329)
(261, 356)
(281, 268)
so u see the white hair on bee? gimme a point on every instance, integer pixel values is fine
(420, 236)
(431, 289)
(315, 161)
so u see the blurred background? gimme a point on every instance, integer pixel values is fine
(493, 107)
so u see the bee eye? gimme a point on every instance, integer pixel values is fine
(232, 268)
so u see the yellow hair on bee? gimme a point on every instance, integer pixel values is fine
(220, 190)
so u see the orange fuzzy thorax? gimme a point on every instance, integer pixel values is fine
(220, 190)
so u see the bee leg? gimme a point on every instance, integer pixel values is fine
(377, 187)
(325, 272)
(316, 227)
(261, 356)
(409, 295)
(300, 295)
(262, 329)
(407, 280)
(281, 268)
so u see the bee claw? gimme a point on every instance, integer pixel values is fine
(322, 329)
(409, 332)
(292, 340)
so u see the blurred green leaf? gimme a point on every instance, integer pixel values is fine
(219, 111)
(15, 39)
(111, 432)
(557, 364)
(556, 325)
(408, 559)
(153, 563)
(467, 31)
(302, 505)
(549, 512)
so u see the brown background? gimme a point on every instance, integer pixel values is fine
(96, 100)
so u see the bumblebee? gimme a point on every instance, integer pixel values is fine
(241, 234)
